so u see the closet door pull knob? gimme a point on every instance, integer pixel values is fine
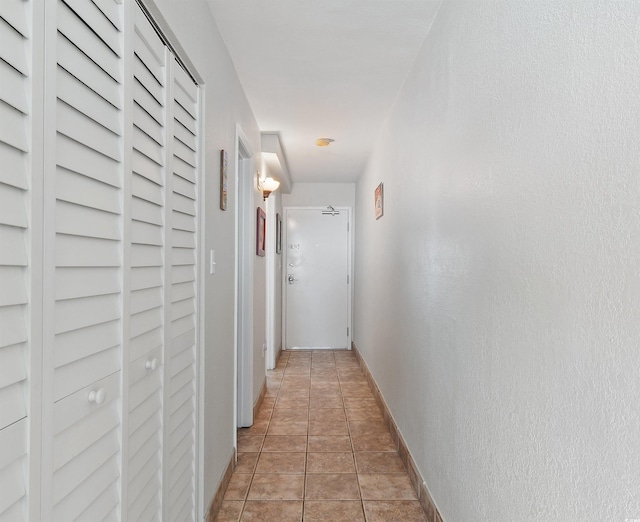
(151, 364)
(97, 396)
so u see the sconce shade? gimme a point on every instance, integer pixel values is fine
(268, 185)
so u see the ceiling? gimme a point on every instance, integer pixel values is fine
(331, 69)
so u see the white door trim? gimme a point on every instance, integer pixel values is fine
(349, 212)
(243, 314)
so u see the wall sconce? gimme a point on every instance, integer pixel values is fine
(267, 186)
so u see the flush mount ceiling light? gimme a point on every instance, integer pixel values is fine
(324, 142)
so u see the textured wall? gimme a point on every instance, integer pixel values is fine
(498, 299)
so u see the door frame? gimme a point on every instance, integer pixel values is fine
(243, 282)
(285, 242)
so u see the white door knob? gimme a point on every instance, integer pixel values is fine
(97, 396)
(151, 364)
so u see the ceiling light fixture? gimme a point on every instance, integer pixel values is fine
(324, 142)
(267, 185)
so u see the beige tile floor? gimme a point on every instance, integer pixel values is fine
(318, 450)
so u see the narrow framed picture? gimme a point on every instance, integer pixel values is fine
(278, 233)
(223, 180)
(379, 201)
(261, 232)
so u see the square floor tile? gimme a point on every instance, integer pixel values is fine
(321, 443)
(386, 486)
(230, 511)
(273, 510)
(286, 443)
(407, 511)
(360, 414)
(334, 510)
(297, 414)
(249, 443)
(325, 402)
(360, 402)
(384, 462)
(279, 462)
(367, 427)
(291, 403)
(270, 486)
(332, 486)
(330, 463)
(374, 442)
(246, 462)
(238, 486)
(288, 427)
(327, 427)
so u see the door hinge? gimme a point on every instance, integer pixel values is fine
(347, 226)
(347, 279)
(347, 331)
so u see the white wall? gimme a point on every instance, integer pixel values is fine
(194, 27)
(321, 195)
(497, 299)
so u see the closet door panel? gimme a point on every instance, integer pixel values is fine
(16, 123)
(147, 283)
(83, 304)
(181, 356)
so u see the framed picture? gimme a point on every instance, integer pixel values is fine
(261, 232)
(278, 233)
(223, 180)
(379, 201)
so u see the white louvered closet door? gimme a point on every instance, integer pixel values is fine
(83, 263)
(98, 266)
(147, 280)
(181, 353)
(15, 255)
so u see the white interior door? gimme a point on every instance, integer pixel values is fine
(317, 278)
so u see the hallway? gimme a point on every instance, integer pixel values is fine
(319, 449)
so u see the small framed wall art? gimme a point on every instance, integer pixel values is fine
(223, 180)
(379, 201)
(261, 232)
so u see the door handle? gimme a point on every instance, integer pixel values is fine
(291, 279)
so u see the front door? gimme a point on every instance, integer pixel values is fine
(317, 278)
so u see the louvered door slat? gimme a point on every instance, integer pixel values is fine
(110, 10)
(15, 257)
(76, 157)
(78, 31)
(147, 190)
(86, 70)
(74, 93)
(146, 101)
(73, 475)
(12, 91)
(12, 49)
(85, 191)
(146, 168)
(144, 76)
(91, 15)
(182, 256)
(13, 166)
(83, 129)
(85, 342)
(144, 343)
